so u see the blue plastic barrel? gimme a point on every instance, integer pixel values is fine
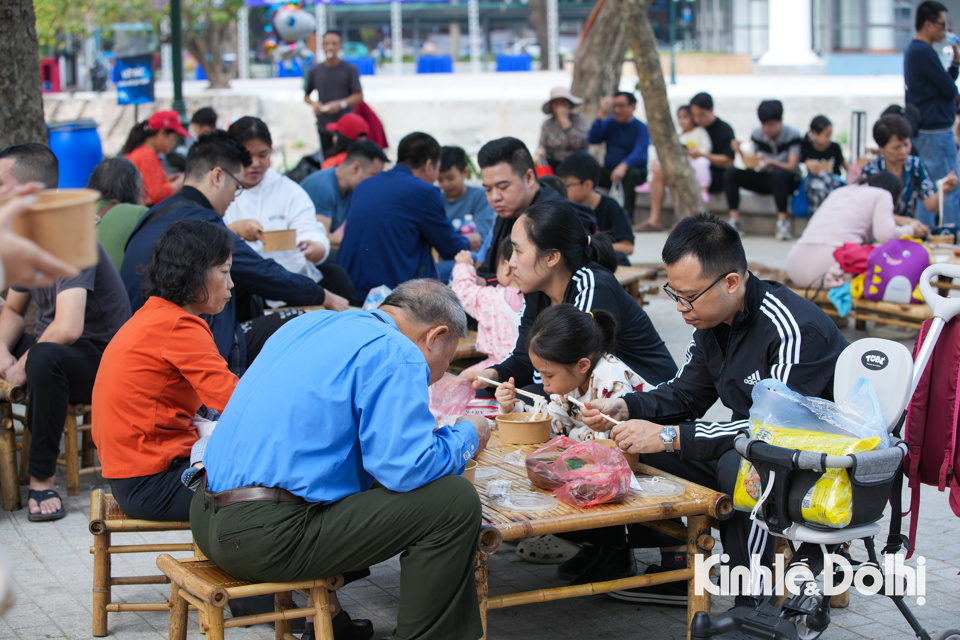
(77, 147)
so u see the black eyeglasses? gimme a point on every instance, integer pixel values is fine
(240, 187)
(676, 297)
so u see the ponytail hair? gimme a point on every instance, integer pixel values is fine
(556, 226)
(564, 334)
(139, 134)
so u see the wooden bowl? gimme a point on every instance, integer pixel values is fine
(633, 459)
(514, 431)
(63, 223)
(470, 471)
(282, 240)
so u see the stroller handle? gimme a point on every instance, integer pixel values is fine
(757, 450)
(945, 308)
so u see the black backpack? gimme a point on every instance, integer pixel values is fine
(306, 166)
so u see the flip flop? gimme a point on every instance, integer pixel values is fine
(40, 496)
(646, 225)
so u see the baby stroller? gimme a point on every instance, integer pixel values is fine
(787, 474)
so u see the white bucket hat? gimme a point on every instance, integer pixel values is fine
(561, 92)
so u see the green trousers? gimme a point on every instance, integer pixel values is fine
(434, 528)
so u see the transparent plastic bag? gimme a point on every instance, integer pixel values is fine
(786, 419)
(449, 396)
(582, 474)
(616, 192)
(376, 296)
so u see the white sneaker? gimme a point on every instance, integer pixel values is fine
(783, 231)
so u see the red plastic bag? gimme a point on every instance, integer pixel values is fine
(582, 474)
(450, 395)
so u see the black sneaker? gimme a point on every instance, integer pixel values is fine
(611, 564)
(669, 593)
(586, 556)
(344, 628)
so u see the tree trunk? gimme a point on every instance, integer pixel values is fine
(677, 172)
(21, 106)
(596, 72)
(538, 20)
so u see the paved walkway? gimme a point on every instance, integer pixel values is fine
(53, 569)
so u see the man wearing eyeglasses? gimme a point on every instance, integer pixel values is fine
(933, 90)
(211, 181)
(745, 330)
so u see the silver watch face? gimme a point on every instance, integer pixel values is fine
(668, 434)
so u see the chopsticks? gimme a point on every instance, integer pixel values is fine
(537, 397)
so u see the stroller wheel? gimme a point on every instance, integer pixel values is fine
(804, 630)
(949, 634)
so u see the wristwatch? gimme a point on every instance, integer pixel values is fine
(667, 434)
(343, 105)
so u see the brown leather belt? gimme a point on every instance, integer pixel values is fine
(249, 494)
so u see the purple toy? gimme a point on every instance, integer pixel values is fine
(893, 271)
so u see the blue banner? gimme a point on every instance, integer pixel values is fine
(134, 76)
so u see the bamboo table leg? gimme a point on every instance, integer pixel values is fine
(9, 482)
(697, 526)
(480, 572)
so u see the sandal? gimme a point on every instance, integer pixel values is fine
(647, 225)
(547, 549)
(40, 496)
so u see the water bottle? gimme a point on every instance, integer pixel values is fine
(468, 225)
(953, 39)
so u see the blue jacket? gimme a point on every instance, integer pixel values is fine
(929, 86)
(395, 218)
(250, 272)
(625, 142)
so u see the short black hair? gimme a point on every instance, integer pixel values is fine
(580, 165)
(509, 150)
(365, 151)
(819, 123)
(684, 108)
(118, 180)
(928, 11)
(177, 270)
(889, 126)
(332, 32)
(885, 180)
(416, 148)
(702, 100)
(215, 149)
(205, 117)
(629, 95)
(710, 240)
(770, 110)
(250, 128)
(453, 157)
(33, 162)
(556, 184)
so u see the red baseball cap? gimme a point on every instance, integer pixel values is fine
(161, 120)
(350, 125)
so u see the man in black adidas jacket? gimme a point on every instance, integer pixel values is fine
(746, 330)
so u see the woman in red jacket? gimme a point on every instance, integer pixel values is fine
(155, 135)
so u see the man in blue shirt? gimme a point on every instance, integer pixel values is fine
(345, 398)
(211, 182)
(396, 217)
(462, 200)
(331, 189)
(933, 90)
(625, 159)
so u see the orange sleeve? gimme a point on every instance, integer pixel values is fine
(191, 349)
(156, 185)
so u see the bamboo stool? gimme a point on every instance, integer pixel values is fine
(106, 518)
(9, 477)
(202, 584)
(78, 455)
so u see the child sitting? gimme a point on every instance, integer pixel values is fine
(573, 351)
(823, 159)
(497, 309)
(696, 138)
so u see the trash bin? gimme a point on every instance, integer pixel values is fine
(77, 147)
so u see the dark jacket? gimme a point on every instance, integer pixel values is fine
(593, 287)
(250, 272)
(778, 335)
(929, 86)
(502, 227)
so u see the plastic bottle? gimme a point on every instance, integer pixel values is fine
(952, 39)
(467, 226)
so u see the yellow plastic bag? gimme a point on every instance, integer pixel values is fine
(830, 501)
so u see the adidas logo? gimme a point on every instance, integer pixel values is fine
(753, 378)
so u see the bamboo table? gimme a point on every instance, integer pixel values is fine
(698, 504)
(630, 278)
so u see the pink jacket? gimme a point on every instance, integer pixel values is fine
(497, 310)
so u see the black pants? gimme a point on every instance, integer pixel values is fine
(57, 375)
(778, 182)
(257, 331)
(158, 497)
(741, 537)
(635, 177)
(336, 279)
(326, 140)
